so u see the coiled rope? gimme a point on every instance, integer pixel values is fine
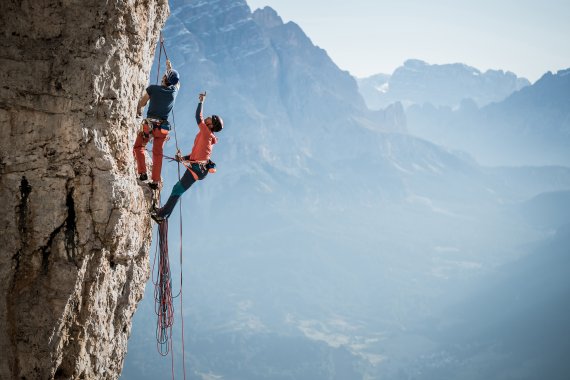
(163, 294)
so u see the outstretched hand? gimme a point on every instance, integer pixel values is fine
(202, 97)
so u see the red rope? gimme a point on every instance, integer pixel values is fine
(163, 294)
(188, 167)
(164, 307)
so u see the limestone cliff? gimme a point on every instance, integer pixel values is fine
(76, 235)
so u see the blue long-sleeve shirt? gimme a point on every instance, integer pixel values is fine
(199, 117)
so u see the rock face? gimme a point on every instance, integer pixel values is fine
(73, 262)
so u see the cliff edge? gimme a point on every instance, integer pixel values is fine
(76, 231)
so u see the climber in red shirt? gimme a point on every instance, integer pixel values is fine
(197, 162)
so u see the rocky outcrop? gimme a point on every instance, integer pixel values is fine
(73, 257)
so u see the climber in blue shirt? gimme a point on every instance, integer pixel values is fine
(160, 99)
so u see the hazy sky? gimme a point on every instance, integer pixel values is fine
(365, 37)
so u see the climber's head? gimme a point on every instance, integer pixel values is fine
(215, 123)
(171, 77)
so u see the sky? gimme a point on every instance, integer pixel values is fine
(366, 37)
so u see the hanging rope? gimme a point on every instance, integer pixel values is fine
(162, 49)
(180, 243)
(162, 45)
(159, 56)
(163, 285)
(163, 294)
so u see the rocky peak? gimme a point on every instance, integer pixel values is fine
(530, 127)
(76, 231)
(267, 18)
(550, 91)
(221, 25)
(289, 69)
(418, 82)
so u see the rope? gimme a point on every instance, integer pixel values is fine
(163, 294)
(163, 285)
(180, 242)
(161, 50)
(159, 56)
(162, 45)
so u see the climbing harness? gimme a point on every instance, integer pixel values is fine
(149, 124)
(157, 123)
(198, 169)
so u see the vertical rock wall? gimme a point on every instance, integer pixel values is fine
(75, 227)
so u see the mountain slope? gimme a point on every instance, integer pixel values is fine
(514, 326)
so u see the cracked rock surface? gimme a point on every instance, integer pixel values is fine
(76, 231)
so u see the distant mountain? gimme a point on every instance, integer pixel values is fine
(417, 82)
(530, 127)
(548, 210)
(524, 183)
(290, 109)
(374, 89)
(295, 81)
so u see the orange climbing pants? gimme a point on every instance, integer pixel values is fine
(159, 136)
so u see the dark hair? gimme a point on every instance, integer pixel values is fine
(217, 123)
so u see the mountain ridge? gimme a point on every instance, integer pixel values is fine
(530, 127)
(417, 82)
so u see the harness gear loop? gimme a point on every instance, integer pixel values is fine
(145, 132)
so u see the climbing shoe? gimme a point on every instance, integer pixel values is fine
(143, 177)
(157, 218)
(153, 185)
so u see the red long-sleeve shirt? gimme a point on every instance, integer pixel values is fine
(204, 140)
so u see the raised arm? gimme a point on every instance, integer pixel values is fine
(199, 116)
